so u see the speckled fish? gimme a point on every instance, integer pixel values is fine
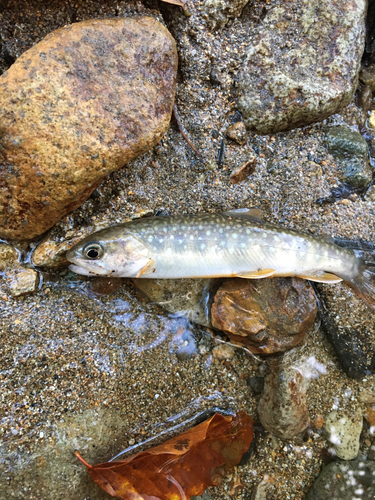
(234, 243)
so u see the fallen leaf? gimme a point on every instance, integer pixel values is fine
(181, 3)
(181, 467)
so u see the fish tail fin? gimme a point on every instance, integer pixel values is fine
(364, 283)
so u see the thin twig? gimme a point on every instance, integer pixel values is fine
(183, 131)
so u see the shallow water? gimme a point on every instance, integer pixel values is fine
(102, 373)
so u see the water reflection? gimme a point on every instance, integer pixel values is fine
(144, 323)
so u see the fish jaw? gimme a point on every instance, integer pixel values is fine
(84, 271)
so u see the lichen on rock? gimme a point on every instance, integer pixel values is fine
(303, 64)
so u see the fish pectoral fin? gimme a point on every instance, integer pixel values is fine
(262, 273)
(254, 214)
(147, 268)
(321, 277)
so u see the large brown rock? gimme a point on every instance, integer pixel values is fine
(268, 315)
(75, 107)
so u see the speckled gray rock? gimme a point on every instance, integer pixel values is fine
(343, 432)
(303, 64)
(283, 408)
(345, 481)
(218, 12)
(351, 150)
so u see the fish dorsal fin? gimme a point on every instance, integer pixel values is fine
(147, 268)
(254, 214)
(321, 277)
(262, 273)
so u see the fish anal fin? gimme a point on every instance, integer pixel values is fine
(147, 268)
(254, 214)
(321, 277)
(262, 273)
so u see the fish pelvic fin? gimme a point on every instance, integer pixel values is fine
(262, 273)
(364, 283)
(321, 277)
(148, 268)
(252, 214)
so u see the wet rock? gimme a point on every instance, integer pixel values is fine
(367, 396)
(22, 281)
(370, 195)
(242, 172)
(352, 347)
(237, 132)
(223, 351)
(345, 481)
(8, 256)
(78, 105)
(351, 149)
(283, 408)
(343, 431)
(303, 64)
(267, 316)
(364, 99)
(218, 12)
(343, 142)
(367, 76)
(51, 253)
(191, 298)
(370, 416)
(262, 489)
(256, 384)
(372, 119)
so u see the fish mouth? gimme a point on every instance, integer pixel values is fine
(86, 272)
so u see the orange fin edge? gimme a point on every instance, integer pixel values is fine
(321, 277)
(262, 273)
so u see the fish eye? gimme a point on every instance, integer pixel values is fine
(93, 251)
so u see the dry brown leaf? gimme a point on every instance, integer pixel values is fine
(181, 467)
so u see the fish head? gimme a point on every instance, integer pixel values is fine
(114, 251)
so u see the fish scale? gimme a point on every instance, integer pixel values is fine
(233, 243)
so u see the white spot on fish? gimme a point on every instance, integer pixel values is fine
(248, 231)
(165, 229)
(203, 246)
(220, 230)
(200, 227)
(243, 245)
(180, 241)
(208, 233)
(171, 237)
(191, 237)
(234, 235)
(161, 240)
(150, 238)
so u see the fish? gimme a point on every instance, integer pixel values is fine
(235, 243)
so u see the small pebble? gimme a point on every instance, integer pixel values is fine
(237, 132)
(22, 281)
